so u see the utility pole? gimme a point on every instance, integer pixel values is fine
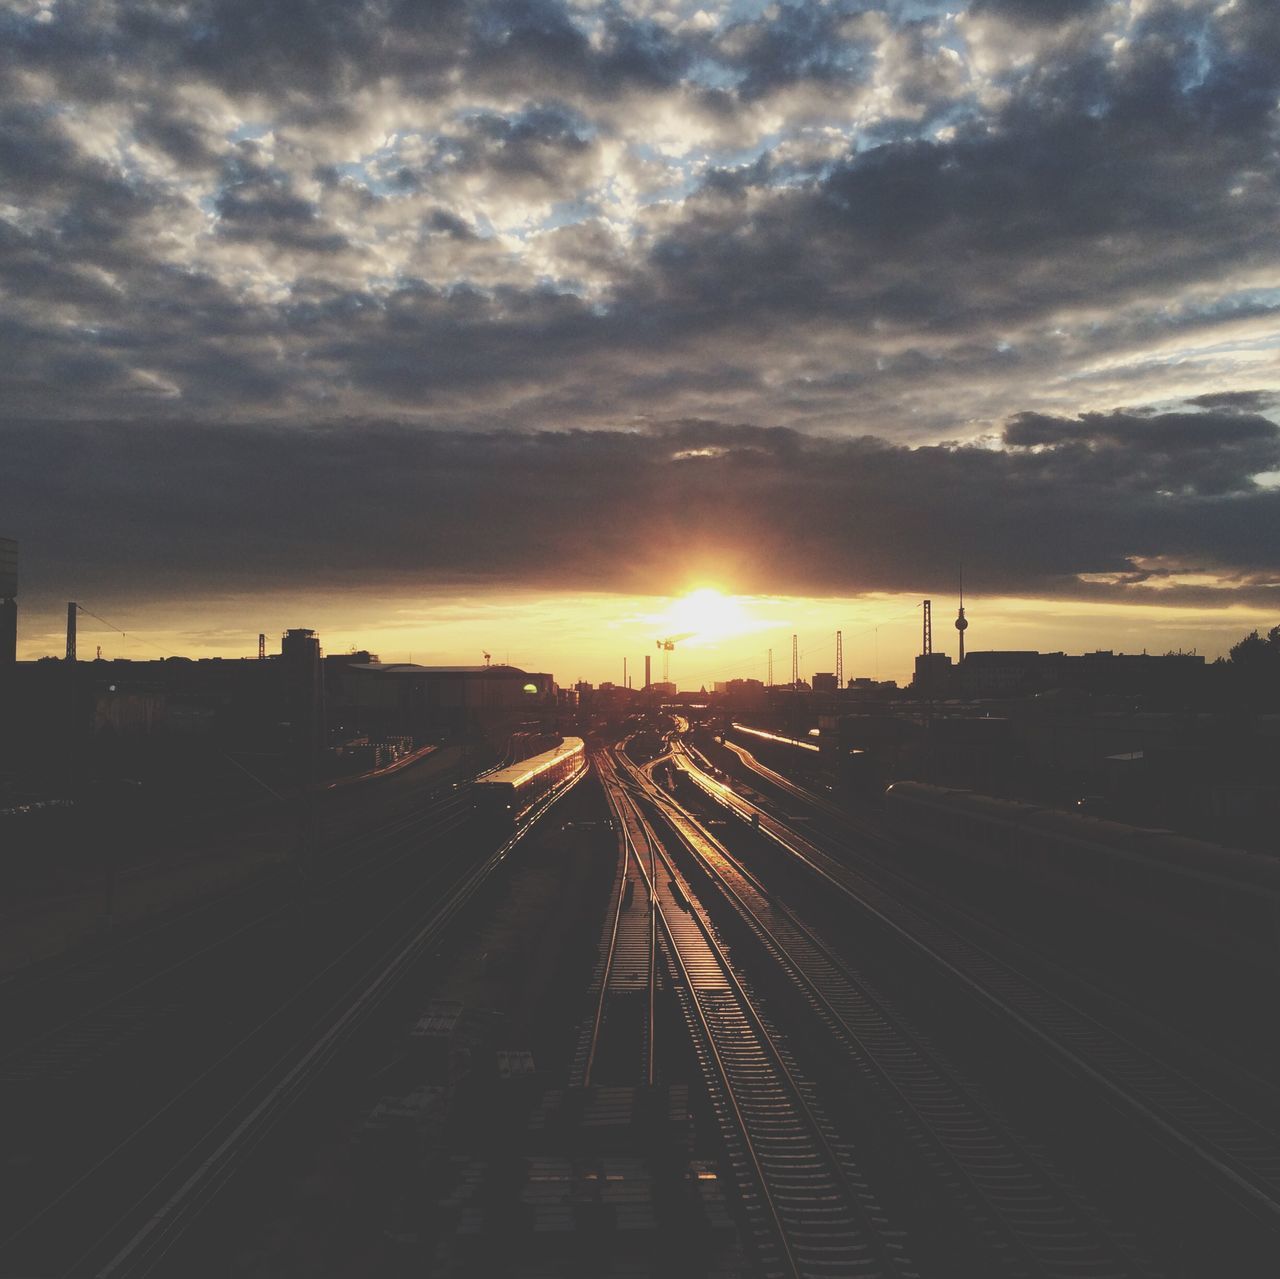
(839, 661)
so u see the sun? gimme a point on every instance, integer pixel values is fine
(705, 615)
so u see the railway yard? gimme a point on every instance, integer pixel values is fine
(672, 1010)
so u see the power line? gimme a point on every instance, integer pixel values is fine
(111, 626)
(759, 664)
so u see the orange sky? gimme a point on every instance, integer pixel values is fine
(587, 636)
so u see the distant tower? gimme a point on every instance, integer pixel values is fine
(262, 647)
(928, 628)
(71, 631)
(795, 662)
(8, 605)
(962, 622)
(769, 677)
(839, 660)
(624, 674)
(648, 674)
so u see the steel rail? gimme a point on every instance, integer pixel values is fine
(957, 1128)
(162, 1228)
(870, 1233)
(380, 859)
(1034, 1010)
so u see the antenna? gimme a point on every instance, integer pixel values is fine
(962, 622)
(795, 662)
(839, 660)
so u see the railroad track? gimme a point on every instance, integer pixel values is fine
(81, 1011)
(118, 1209)
(627, 971)
(809, 1210)
(1226, 1148)
(1024, 1216)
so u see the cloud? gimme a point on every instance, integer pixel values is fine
(1246, 401)
(770, 510)
(1037, 12)
(933, 244)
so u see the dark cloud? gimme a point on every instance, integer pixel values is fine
(1037, 12)
(1199, 453)
(382, 504)
(518, 222)
(1246, 401)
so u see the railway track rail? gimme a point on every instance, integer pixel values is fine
(67, 1018)
(809, 1210)
(628, 966)
(126, 1197)
(1024, 1216)
(1237, 1069)
(1226, 1148)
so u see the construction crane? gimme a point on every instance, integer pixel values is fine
(667, 647)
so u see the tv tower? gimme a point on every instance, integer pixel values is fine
(962, 622)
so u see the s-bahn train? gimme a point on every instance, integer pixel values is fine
(1222, 899)
(508, 794)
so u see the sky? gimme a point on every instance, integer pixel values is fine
(458, 327)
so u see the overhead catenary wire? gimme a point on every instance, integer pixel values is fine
(111, 626)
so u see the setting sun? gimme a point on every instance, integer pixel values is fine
(705, 615)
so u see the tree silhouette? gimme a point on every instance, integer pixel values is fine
(1258, 654)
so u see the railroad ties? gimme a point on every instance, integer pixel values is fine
(809, 1211)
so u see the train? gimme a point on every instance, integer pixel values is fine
(1222, 899)
(507, 795)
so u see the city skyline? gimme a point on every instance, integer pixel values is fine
(881, 636)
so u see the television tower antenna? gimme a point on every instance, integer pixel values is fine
(962, 622)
